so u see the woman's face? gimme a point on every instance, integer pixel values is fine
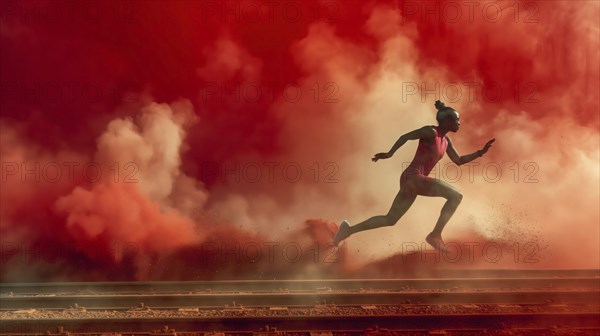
(452, 122)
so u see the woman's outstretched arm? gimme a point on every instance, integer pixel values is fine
(462, 159)
(425, 132)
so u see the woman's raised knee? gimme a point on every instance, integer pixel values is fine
(456, 197)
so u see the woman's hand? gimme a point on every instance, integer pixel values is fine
(381, 156)
(487, 146)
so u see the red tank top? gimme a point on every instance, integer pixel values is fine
(428, 154)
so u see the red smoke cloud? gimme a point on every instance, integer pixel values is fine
(192, 137)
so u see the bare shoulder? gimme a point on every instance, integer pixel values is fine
(425, 132)
(428, 132)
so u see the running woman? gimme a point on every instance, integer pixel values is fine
(414, 181)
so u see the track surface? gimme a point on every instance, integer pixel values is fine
(543, 300)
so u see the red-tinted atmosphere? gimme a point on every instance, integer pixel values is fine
(225, 139)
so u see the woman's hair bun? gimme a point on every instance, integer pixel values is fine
(439, 105)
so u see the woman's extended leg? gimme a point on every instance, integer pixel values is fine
(404, 199)
(401, 204)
